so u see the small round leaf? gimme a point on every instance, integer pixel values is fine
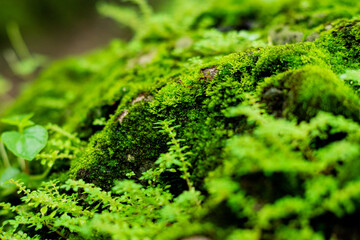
(28, 144)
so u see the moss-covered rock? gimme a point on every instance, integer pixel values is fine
(269, 133)
(166, 86)
(341, 39)
(303, 93)
(197, 101)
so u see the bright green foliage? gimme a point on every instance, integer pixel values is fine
(263, 141)
(5, 85)
(280, 171)
(296, 94)
(176, 155)
(352, 79)
(27, 144)
(339, 40)
(21, 121)
(197, 98)
(352, 75)
(146, 213)
(28, 141)
(60, 148)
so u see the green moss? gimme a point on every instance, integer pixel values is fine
(267, 127)
(138, 146)
(296, 94)
(341, 38)
(125, 145)
(197, 99)
(282, 58)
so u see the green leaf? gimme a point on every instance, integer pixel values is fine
(29, 65)
(52, 215)
(44, 210)
(22, 120)
(28, 144)
(9, 173)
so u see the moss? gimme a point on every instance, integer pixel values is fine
(138, 146)
(125, 146)
(296, 94)
(196, 100)
(179, 89)
(282, 58)
(248, 164)
(341, 39)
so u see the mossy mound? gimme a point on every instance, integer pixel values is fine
(267, 134)
(295, 94)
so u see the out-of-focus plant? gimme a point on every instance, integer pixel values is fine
(5, 87)
(32, 143)
(26, 142)
(352, 78)
(20, 60)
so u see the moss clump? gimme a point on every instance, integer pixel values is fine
(155, 90)
(197, 101)
(269, 134)
(295, 94)
(341, 38)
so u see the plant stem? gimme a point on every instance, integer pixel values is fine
(17, 41)
(27, 169)
(41, 176)
(4, 156)
(144, 8)
(184, 168)
(23, 165)
(21, 128)
(52, 229)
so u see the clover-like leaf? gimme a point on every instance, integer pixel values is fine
(27, 144)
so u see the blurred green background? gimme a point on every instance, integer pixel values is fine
(35, 32)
